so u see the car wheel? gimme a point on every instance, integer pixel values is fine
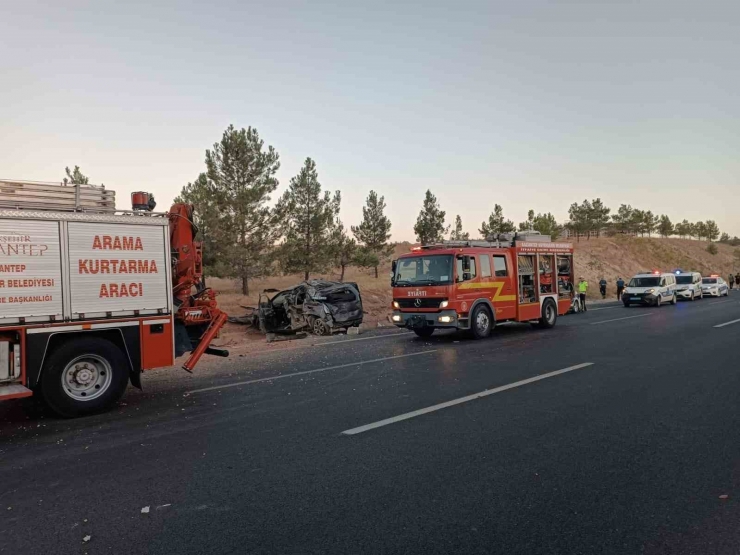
(424, 332)
(480, 323)
(84, 376)
(319, 327)
(658, 302)
(673, 299)
(549, 315)
(693, 298)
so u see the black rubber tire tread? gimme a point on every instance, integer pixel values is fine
(543, 323)
(51, 388)
(424, 332)
(474, 329)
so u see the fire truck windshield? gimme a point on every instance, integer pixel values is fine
(424, 270)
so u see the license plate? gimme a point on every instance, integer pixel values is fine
(635, 299)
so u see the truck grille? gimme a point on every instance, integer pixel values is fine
(423, 302)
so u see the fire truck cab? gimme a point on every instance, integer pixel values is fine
(474, 285)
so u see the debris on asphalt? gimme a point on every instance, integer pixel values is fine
(724, 496)
(145, 510)
(87, 538)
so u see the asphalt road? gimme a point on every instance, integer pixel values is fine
(629, 450)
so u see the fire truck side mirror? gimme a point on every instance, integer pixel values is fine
(393, 272)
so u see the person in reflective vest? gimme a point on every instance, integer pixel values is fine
(582, 289)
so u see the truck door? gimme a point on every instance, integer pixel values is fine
(501, 290)
(467, 284)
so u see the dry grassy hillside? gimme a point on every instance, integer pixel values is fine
(608, 257)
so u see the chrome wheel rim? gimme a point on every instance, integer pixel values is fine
(87, 377)
(482, 321)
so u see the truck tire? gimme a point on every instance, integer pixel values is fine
(549, 315)
(424, 332)
(84, 376)
(481, 322)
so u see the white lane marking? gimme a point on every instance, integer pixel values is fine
(486, 393)
(727, 323)
(337, 367)
(618, 319)
(336, 342)
(602, 308)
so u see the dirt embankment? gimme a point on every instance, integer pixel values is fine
(609, 257)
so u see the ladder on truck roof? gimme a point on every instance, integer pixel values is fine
(59, 197)
(505, 240)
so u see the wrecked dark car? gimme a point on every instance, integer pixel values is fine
(319, 307)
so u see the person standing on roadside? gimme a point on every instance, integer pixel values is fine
(731, 281)
(602, 288)
(582, 289)
(620, 287)
(737, 280)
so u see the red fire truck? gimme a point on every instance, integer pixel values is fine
(474, 285)
(90, 296)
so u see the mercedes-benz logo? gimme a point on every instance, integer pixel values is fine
(417, 303)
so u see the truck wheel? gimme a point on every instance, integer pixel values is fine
(424, 332)
(480, 322)
(549, 315)
(84, 376)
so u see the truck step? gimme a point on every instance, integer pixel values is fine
(14, 391)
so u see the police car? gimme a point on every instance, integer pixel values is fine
(714, 286)
(688, 285)
(652, 289)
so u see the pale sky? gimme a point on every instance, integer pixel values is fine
(529, 104)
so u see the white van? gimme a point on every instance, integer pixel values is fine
(688, 285)
(651, 289)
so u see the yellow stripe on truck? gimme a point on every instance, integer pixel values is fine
(497, 285)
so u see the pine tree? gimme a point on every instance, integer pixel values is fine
(637, 222)
(344, 249)
(665, 227)
(75, 177)
(374, 231)
(650, 222)
(581, 219)
(307, 221)
(712, 230)
(724, 238)
(547, 225)
(430, 224)
(529, 224)
(240, 176)
(496, 224)
(700, 230)
(623, 219)
(599, 216)
(457, 233)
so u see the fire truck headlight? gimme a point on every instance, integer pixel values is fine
(443, 304)
(445, 319)
(396, 317)
(396, 305)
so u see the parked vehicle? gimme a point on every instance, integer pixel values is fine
(474, 285)
(714, 286)
(688, 285)
(91, 297)
(652, 289)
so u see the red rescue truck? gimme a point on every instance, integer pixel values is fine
(474, 285)
(90, 296)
